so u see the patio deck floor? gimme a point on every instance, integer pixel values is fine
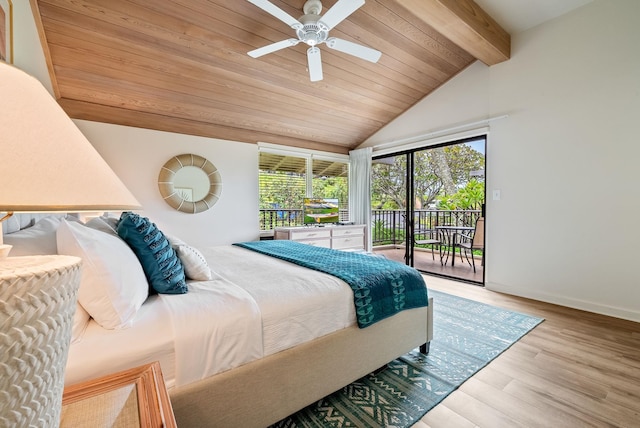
(422, 261)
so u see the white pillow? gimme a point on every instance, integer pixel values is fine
(80, 323)
(194, 263)
(113, 285)
(16, 222)
(39, 239)
(104, 224)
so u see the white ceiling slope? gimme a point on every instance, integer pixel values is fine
(519, 15)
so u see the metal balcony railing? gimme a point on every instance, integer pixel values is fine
(387, 226)
(270, 219)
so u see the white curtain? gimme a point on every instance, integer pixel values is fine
(360, 190)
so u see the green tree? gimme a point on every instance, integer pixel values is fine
(470, 197)
(281, 189)
(331, 187)
(427, 182)
(463, 159)
(432, 167)
(388, 184)
(287, 190)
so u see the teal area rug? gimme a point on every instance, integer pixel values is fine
(467, 336)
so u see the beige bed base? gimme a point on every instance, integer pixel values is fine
(262, 392)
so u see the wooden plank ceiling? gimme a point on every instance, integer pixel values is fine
(182, 66)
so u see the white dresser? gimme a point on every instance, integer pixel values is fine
(347, 237)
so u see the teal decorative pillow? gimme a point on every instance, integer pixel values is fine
(159, 260)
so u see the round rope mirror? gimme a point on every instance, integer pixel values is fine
(190, 183)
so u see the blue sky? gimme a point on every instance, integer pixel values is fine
(478, 146)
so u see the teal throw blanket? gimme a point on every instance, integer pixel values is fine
(381, 287)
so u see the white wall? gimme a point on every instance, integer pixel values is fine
(28, 54)
(136, 155)
(566, 159)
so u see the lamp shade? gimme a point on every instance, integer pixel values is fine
(46, 163)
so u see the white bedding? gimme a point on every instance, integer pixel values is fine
(102, 352)
(255, 306)
(216, 326)
(297, 304)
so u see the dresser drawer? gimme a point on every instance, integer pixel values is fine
(345, 242)
(348, 231)
(326, 242)
(297, 235)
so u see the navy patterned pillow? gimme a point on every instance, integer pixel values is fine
(159, 260)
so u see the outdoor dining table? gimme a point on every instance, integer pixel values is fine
(448, 237)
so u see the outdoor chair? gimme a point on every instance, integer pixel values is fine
(468, 242)
(433, 239)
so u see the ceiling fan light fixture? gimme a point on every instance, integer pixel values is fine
(311, 33)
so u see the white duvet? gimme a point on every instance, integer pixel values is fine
(254, 306)
(216, 327)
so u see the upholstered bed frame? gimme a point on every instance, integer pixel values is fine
(264, 391)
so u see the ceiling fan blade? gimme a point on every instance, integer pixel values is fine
(274, 10)
(273, 47)
(353, 49)
(315, 63)
(339, 12)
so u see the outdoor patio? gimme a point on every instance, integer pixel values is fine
(422, 261)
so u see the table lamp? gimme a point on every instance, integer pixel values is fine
(46, 165)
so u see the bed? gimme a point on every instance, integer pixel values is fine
(253, 340)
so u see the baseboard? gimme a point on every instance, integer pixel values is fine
(555, 299)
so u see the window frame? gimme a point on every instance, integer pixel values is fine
(309, 156)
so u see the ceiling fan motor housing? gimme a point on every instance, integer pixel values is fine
(312, 32)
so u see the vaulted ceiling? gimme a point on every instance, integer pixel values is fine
(182, 65)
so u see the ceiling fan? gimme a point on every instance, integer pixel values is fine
(313, 30)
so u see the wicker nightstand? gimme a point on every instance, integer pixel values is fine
(37, 301)
(132, 398)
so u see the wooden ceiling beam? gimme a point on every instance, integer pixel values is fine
(466, 24)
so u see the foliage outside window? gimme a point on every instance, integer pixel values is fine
(448, 188)
(282, 188)
(331, 180)
(442, 179)
(284, 182)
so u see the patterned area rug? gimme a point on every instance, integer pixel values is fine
(467, 336)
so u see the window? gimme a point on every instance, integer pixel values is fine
(282, 181)
(331, 180)
(286, 177)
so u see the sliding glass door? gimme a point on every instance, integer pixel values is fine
(426, 203)
(391, 188)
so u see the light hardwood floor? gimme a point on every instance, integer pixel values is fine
(576, 369)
